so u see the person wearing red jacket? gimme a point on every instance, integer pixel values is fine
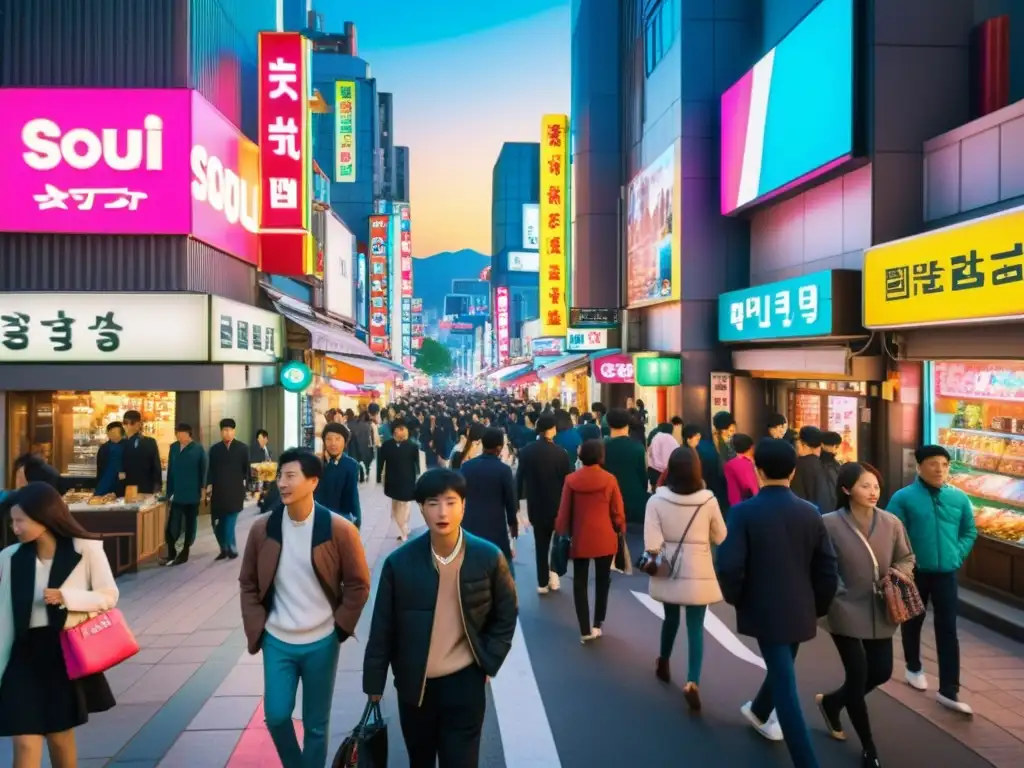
(740, 475)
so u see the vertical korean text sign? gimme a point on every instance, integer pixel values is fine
(286, 158)
(501, 318)
(345, 131)
(554, 189)
(379, 304)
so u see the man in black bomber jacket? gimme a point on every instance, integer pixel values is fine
(451, 599)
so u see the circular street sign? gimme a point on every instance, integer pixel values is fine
(295, 376)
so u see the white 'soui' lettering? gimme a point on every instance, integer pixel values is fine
(223, 189)
(48, 146)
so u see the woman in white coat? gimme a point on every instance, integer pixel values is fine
(52, 579)
(681, 523)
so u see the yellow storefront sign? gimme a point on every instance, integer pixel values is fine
(969, 271)
(554, 194)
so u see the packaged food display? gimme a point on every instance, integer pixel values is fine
(1003, 524)
(97, 501)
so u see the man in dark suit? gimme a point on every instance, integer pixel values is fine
(398, 466)
(543, 467)
(491, 502)
(140, 462)
(778, 568)
(227, 482)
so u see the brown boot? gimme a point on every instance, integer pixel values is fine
(662, 671)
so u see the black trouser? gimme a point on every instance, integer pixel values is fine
(941, 589)
(602, 584)
(868, 664)
(366, 463)
(764, 702)
(542, 540)
(445, 729)
(653, 475)
(179, 516)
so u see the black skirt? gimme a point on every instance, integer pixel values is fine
(36, 696)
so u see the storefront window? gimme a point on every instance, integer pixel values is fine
(977, 413)
(833, 406)
(68, 428)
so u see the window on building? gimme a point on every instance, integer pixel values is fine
(660, 32)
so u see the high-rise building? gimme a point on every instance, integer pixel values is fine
(515, 184)
(386, 142)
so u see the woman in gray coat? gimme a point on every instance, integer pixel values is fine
(869, 542)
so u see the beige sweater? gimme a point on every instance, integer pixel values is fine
(449, 647)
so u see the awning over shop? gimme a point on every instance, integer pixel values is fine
(323, 336)
(521, 379)
(605, 353)
(562, 365)
(360, 370)
(509, 370)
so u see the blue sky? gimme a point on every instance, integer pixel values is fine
(466, 76)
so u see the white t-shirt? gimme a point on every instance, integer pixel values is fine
(39, 616)
(301, 613)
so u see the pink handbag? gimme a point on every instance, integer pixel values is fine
(98, 644)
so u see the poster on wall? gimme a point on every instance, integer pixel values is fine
(379, 300)
(721, 394)
(652, 237)
(531, 227)
(361, 303)
(338, 269)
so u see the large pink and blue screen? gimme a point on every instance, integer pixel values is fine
(791, 117)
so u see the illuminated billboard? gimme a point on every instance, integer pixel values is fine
(345, 131)
(652, 232)
(792, 117)
(554, 197)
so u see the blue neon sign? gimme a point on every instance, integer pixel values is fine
(794, 308)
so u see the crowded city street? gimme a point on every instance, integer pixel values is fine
(192, 697)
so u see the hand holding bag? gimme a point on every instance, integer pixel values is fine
(367, 745)
(895, 591)
(561, 546)
(97, 644)
(653, 563)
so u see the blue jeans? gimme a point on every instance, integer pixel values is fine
(284, 664)
(779, 692)
(694, 636)
(224, 532)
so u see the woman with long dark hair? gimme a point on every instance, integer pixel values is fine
(681, 524)
(869, 542)
(52, 579)
(470, 447)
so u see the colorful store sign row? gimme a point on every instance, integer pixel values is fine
(119, 328)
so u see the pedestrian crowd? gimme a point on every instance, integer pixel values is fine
(777, 527)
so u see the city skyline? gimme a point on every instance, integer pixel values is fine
(511, 65)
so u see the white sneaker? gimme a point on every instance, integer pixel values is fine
(553, 582)
(917, 680)
(771, 729)
(596, 632)
(955, 704)
(543, 590)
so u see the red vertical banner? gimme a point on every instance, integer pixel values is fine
(501, 319)
(286, 156)
(379, 304)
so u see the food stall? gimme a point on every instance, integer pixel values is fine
(132, 531)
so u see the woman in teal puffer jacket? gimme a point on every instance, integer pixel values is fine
(940, 526)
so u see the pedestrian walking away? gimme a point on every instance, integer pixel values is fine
(186, 478)
(55, 578)
(443, 621)
(869, 543)
(626, 459)
(778, 568)
(682, 523)
(540, 476)
(591, 513)
(398, 467)
(939, 519)
(303, 585)
(227, 482)
(491, 509)
(811, 481)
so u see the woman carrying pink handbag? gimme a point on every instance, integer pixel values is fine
(58, 629)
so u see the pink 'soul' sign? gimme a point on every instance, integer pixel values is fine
(89, 161)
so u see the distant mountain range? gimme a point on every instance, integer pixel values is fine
(432, 276)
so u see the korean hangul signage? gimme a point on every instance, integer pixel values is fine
(613, 369)
(721, 393)
(587, 339)
(796, 308)
(104, 327)
(240, 333)
(286, 156)
(554, 198)
(501, 317)
(969, 271)
(379, 304)
(345, 131)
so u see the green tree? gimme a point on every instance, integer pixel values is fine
(434, 359)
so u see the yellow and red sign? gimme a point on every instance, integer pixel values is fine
(554, 227)
(962, 273)
(286, 154)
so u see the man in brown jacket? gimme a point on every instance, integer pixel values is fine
(304, 582)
